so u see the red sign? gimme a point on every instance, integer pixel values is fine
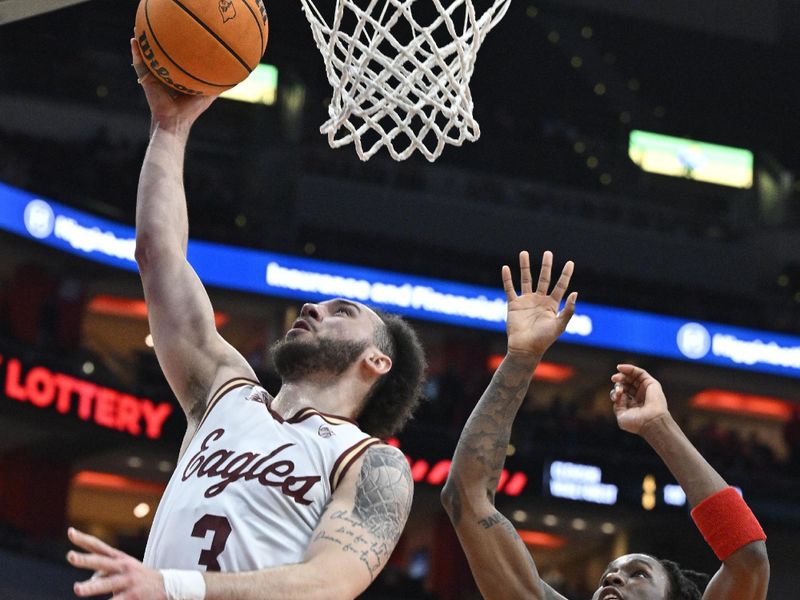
(100, 405)
(421, 470)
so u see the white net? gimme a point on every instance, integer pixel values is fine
(400, 72)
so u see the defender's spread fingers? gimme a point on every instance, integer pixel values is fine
(544, 273)
(508, 284)
(525, 272)
(563, 282)
(568, 311)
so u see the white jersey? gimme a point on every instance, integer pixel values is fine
(251, 487)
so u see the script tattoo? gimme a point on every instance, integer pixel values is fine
(380, 509)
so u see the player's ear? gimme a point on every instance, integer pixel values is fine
(377, 362)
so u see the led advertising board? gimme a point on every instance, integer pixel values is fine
(305, 279)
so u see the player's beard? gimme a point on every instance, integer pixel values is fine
(295, 359)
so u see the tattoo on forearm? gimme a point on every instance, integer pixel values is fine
(380, 510)
(484, 441)
(491, 520)
(497, 519)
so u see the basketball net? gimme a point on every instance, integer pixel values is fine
(398, 83)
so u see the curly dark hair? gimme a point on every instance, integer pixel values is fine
(683, 583)
(394, 397)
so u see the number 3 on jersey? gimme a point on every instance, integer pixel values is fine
(222, 529)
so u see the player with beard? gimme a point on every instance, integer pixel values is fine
(291, 496)
(500, 562)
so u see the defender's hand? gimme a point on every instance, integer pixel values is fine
(638, 398)
(115, 572)
(167, 106)
(534, 321)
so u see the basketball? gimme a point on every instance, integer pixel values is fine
(201, 46)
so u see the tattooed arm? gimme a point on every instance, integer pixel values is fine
(500, 562)
(364, 520)
(352, 542)
(350, 546)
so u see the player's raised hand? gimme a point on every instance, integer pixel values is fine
(534, 321)
(165, 103)
(638, 398)
(115, 572)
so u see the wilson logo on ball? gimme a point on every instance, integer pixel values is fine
(159, 70)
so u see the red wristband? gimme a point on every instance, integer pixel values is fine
(726, 522)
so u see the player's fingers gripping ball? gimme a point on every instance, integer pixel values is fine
(201, 46)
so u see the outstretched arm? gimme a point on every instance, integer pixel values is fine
(500, 562)
(641, 407)
(192, 354)
(350, 546)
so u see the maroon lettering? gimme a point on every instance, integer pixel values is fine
(235, 469)
(222, 529)
(282, 468)
(211, 465)
(298, 493)
(197, 460)
(230, 467)
(245, 458)
(230, 474)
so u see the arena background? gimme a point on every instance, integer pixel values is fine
(558, 88)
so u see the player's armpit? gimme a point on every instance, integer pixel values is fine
(365, 518)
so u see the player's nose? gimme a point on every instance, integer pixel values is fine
(613, 578)
(310, 311)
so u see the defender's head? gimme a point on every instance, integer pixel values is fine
(644, 577)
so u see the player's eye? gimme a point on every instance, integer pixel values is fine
(344, 310)
(640, 573)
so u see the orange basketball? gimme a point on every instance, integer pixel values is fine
(202, 46)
